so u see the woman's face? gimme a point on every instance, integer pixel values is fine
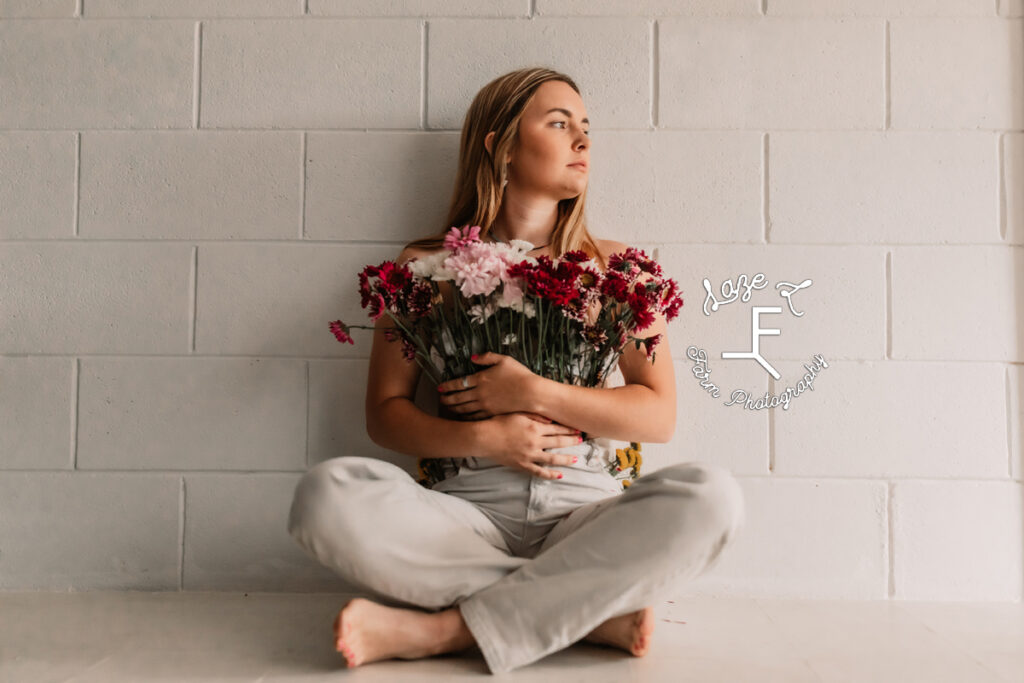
(553, 134)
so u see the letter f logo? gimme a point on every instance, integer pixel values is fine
(755, 335)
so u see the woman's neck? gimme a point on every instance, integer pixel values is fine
(539, 239)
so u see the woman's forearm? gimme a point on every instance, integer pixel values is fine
(400, 425)
(628, 413)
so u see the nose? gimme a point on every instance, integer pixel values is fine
(582, 140)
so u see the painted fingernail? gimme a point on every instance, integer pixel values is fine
(559, 475)
(574, 458)
(581, 439)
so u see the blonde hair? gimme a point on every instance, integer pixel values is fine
(481, 176)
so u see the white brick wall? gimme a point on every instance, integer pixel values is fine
(188, 188)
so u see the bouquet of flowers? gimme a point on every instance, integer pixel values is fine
(563, 318)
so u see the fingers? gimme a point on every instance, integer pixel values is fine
(456, 397)
(468, 406)
(544, 473)
(561, 430)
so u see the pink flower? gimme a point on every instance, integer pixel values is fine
(478, 268)
(340, 331)
(457, 239)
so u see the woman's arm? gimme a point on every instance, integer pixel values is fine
(393, 420)
(643, 410)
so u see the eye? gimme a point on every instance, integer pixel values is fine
(586, 132)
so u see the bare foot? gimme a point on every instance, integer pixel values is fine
(631, 632)
(365, 631)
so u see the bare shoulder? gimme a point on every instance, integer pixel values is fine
(409, 253)
(611, 246)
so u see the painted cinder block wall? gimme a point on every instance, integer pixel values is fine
(188, 188)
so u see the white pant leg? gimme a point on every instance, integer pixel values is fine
(618, 557)
(371, 523)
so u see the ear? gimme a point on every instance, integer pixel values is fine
(489, 143)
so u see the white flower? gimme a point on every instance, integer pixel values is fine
(447, 341)
(432, 266)
(525, 307)
(521, 245)
(510, 338)
(480, 313)
(437, 360)
(511, 294)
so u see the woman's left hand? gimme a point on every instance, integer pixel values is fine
(506, 386)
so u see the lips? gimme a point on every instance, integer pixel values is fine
(579, 164)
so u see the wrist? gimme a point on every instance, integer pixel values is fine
(542, 395)
(476, 437)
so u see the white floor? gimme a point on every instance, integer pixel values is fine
(193, 636)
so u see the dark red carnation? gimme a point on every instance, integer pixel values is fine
(614, 286)
(575, 256)
(641, 308)
(649, 344)
(340, 331)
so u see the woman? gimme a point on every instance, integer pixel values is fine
(498, 553)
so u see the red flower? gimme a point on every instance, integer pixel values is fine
(670, 300)
(614, 286)
(575, 256)
(594, 336)
(649, 344)
(419, 299)
(340, 331)
(377, 305)
(408, 349)
(641, 310)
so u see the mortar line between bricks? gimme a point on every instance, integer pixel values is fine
(682, 358)
(269, 129)
(774, 476)
(379, 243)
(178, 473)
(143, 17)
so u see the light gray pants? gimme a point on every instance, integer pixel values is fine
(533, 564)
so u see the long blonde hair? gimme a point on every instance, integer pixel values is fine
(481, 176)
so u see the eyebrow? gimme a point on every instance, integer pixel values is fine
(566, 112)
